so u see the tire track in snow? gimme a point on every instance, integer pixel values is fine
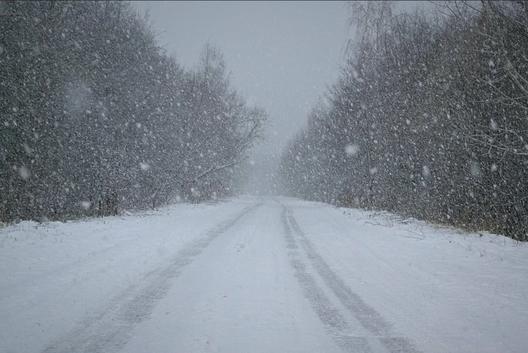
(111, 328)
(328, 313)
(367, 316)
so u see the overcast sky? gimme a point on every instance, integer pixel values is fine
(281, 55)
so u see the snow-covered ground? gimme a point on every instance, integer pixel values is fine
(259, 275)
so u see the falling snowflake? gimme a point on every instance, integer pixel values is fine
(493, 124)
(426, 172)
(26, 147)
(24, 172)
(475, 169)
(351, 149)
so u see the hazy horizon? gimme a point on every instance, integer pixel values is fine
(282, 56)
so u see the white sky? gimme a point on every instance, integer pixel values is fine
(281, 55)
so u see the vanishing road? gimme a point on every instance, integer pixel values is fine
(259, 275)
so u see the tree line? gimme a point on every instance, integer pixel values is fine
(429, 118)
(95, 116)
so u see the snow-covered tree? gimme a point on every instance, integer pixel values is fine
(95, 116)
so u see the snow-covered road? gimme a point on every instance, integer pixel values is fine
(259, 275)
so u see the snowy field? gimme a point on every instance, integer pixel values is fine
(259, 275)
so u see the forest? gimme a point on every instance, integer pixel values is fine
(428, 119)
(263, 176)
(96, 117)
